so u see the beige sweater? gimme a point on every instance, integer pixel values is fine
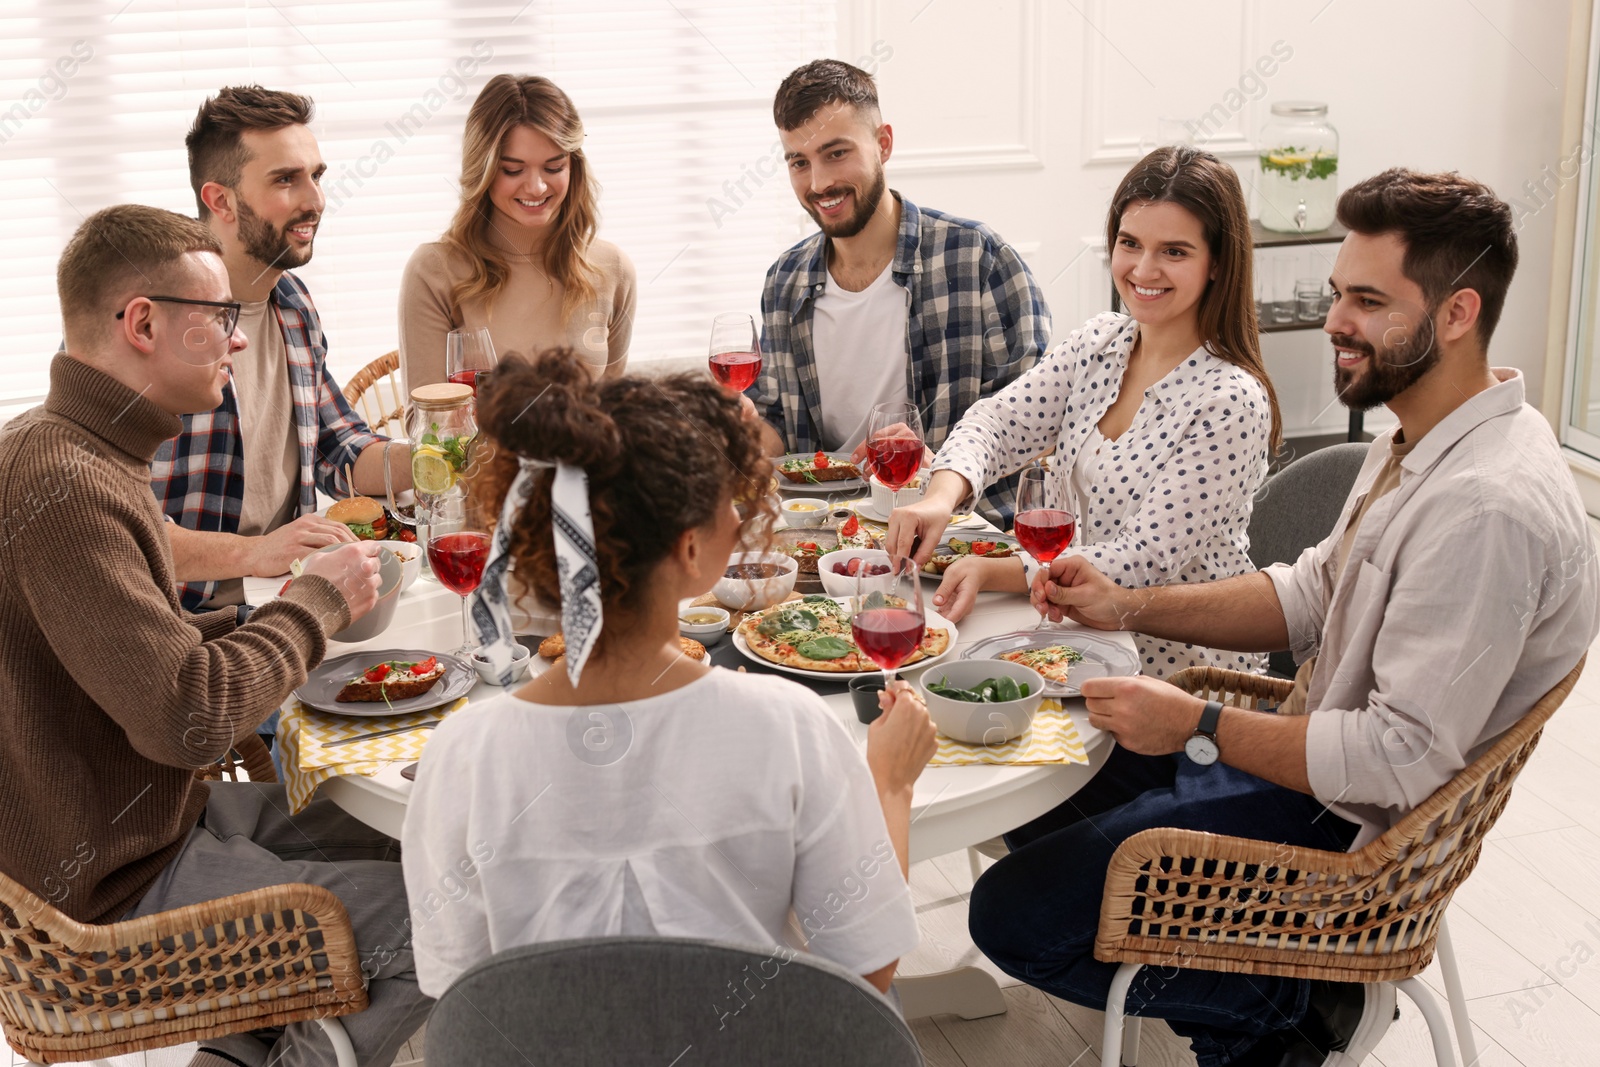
(524, 317)
(110, 696)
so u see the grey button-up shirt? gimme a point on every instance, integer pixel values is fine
(1470, 591)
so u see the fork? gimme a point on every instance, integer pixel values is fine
(382, 733)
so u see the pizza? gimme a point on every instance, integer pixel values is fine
(1052, 662)
(813, 634)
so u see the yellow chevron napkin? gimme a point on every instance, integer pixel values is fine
(1053, 738)
(303, 731)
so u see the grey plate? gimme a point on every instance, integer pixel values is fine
(843, 485)
(943, 549)
(1103, 657)
(324, 683)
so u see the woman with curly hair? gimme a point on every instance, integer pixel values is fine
(634, 790)
(521, 256)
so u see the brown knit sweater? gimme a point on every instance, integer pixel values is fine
(111, 697)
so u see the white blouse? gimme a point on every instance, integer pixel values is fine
(1169, 500)
(735, 808)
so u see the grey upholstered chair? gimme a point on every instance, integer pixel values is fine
(1297, 507)
(656, 1000)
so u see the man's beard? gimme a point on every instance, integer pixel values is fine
(866, 205)
(268, 246)
(1388, 373)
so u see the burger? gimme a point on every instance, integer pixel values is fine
(363, 515)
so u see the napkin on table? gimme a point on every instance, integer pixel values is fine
(1053, 738)
(303, 731)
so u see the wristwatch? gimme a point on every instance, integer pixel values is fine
(1202, 744)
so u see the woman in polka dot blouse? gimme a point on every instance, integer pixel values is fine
(1161, 420)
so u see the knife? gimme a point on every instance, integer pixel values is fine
(382, 733)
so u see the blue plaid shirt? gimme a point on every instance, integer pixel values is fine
(198, 476)
(977, 321)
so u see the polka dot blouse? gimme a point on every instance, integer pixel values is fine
(1169, 500)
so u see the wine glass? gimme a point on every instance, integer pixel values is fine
(735, 351)
(888, 625)
(458, 547)
(1044, 531)
(894, 446)
(469, 353)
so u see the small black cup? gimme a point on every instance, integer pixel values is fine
(864, 694)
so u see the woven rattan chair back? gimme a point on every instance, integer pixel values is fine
(70, 991)
(375, 394)
(1183, 898)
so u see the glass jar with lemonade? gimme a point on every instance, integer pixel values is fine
(442, 425)
(1298, 187)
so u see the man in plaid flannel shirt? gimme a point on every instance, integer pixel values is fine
(240, 483)
(962, 319)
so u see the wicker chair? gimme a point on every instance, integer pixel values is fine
(375, 394)
(70, 991)
(1253, 907)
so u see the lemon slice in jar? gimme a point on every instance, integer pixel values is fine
(431, 472)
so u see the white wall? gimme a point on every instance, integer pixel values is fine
(1026, 113)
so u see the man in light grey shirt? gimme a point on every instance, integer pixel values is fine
(1459, 585)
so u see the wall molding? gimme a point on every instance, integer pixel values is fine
(1101, 147)
(862, 26)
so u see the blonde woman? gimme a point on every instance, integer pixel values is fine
(520, 256)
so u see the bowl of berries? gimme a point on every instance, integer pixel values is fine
(840, 571)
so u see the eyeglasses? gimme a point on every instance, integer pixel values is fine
(227, 316)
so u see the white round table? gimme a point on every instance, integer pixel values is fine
(953, 808)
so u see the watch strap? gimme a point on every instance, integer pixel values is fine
(1209, 718)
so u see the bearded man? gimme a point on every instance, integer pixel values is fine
(240, 482)
(888, 302)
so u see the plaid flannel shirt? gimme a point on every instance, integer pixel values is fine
(977, 320)
(198, 476)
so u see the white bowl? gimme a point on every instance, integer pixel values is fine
(391, 575)
(844, 585)
(981, 724)
(410, 554)
(803, 514)
(743, 594)
(883, 496)
(521, 656)
(707, 633)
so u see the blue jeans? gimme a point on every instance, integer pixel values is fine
(1035, 912)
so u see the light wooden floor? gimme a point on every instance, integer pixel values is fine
(1526, 926)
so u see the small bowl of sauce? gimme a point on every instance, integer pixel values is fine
(706, 625)
(804, 513)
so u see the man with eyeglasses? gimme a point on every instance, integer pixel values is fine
(240, 482)
(112, 696)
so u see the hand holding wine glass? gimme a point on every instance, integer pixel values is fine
(1044, 531)
(458, 548)
(889, 626)
(894, 444)
(467, 354)
(735, 351)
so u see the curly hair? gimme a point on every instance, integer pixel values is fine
(662, 455)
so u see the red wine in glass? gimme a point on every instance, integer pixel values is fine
(468, 377)
(736, 370)
(458, 558)
(894, 460)
(1045, 532)
(887, 636)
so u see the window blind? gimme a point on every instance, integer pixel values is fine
(676, 97)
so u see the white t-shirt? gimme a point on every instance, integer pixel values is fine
(860, 344)
(726, 805)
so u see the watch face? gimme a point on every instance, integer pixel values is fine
(1201, 749)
